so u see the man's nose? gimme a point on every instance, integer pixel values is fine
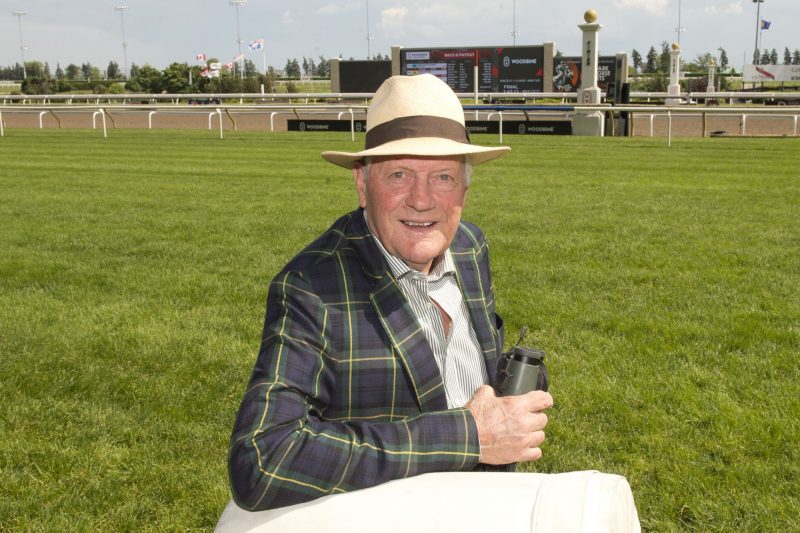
(419, 196)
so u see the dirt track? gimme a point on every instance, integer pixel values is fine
(643, 124)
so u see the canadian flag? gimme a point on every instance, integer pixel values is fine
(201, 57)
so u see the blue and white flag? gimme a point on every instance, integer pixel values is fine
(765, 24)
(258, 44)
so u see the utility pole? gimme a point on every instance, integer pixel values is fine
(369, 35)
(758, 28)
(240, 59)
(122, 9)
(514, 32)
(679, 29)
(19, 15)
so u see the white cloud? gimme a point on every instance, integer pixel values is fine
(393, 19)
(335, 8)
(734, 8)
(656, 7)
(287, 18)
(433, 20)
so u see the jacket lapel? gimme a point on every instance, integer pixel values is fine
(468, 273)
(408, 342)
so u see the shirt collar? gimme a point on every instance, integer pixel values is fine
(442, 265)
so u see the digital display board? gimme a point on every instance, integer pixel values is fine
(500, 69)
(567, 73)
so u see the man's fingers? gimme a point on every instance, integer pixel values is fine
(539, 421)
(538, 400)
(534, 454)
(485, 390)
(537, 438)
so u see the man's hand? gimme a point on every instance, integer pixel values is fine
(510, 429)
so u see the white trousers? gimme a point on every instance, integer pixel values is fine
(466, 502)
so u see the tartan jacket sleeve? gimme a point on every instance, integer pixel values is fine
(345, 393)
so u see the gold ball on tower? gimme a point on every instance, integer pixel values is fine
(590, 16)
(676, 46)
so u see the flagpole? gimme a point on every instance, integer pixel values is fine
(758, 30)
(264, 56)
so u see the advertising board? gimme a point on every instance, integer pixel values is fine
(771, 73)
(325, 125)
(521, 127)
(567, 73)
(500, 69)
(363, 76)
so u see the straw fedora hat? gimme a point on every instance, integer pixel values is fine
(416, 115)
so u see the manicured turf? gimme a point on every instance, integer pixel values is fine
(662, 282)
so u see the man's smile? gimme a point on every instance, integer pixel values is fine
(414, 224)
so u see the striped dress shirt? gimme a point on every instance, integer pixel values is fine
(457, 352)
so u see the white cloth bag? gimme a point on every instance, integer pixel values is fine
(484, 502)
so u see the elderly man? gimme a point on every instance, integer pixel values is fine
(381, 338)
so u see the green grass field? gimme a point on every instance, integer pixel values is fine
(662, 282)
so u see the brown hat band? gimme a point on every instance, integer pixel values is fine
(414, 127)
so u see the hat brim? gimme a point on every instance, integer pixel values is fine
(419, 146)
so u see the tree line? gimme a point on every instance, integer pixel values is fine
(651, 72)
(175, 78)
(655, 61)
(319, 69)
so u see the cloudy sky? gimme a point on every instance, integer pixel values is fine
(162, 31)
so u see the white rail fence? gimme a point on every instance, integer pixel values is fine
(241, 98)
(217, 113)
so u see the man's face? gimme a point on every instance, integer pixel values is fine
(413, 204)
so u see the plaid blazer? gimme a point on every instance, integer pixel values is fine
(346, 393)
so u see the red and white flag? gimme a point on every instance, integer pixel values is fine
(238, 58)
(201, 57)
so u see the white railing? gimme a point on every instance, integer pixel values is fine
(214, 99)
(339, 110)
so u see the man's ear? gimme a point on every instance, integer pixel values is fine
(361, 184)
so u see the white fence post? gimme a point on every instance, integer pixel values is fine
(103, 115)
(669, 128)
(352, 126)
